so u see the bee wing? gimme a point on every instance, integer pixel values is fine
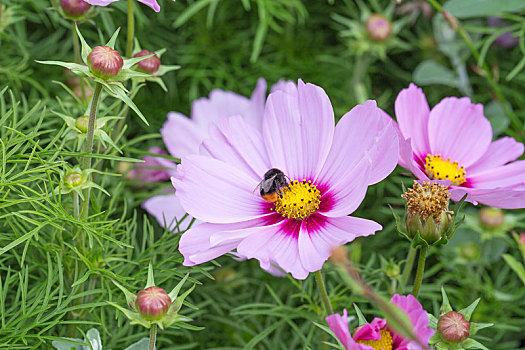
(257, 187)
(267, 184)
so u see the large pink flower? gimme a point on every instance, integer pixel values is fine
(453, 141)
(330, 169)
(151, 3)
(377, 335)
(183, 136)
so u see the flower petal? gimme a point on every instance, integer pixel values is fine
(257, 102)
(419, 320)
(505, 198)
(500, 152)
(412, 114)
(181, 135)
(168, 210)
(339, 325)
(365, 131)
(100, 2)
(213, 191)
(237, 143)
(371, 331)
(458, 130)
(298, 130)
(151, 3)
(503, 176)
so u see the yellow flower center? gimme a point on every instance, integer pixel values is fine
(385, 343)
(427, 200)
(299, 201)
(440, 169)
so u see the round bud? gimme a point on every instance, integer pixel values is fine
(149, 65)
(82, 123)
(74, 8)
(491, 217)
(73, 179)
(378, 27)
(77, 90)
(522, 238)
(153, 303)
(105, 62)
(393, 270)
(453, 327)
(469, 252)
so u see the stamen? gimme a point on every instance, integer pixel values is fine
(385, 343)
(439, 169)
(427, 200)
(299, 201)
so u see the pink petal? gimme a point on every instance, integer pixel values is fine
(371, 331)
(500, 152)
(181, 135)
(167, 209)
(503, 176)
(287, 86)
(412, 114)
(419, 320)
(154, 169)
(237, 143)
(298, 130)
(257, 102)
(505, 198)
(339, 325)
(458, 130)
(151, 3)
(364, 132)
(213, 191)
(100, 2)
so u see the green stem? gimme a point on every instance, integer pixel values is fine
(76, 206)
(322, 291)
(76, 47)
(131, 29)
(358, 87)
(152, 336)
(420, 270)
(88, 145)
(407, 268)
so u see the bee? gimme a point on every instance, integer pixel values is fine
(270, 186)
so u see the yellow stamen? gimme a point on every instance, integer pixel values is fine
(427, 200)
(299, 201)
(385, 343)
(438, 168)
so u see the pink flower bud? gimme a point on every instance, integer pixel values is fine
(105, 62)
(77, 90)
(491, 217)
(522, 238)
(378, 27)
(149, 65)
(153, 303)
(74, 8)
(453, 327)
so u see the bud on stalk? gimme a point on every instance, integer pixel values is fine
(149, 65)
(453, 327)
(153, 303)
(105, 62)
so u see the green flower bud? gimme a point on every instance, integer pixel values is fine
(73, 179)
(393, 270)
(81, 123)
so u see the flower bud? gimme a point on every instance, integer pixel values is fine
(469, 252)
(453, 327)
(378, 27)
(522, 238)
(153, 303)
(149, 65)
(427, 211)
(77, 90)
(73, 179)
(491, 218)
(105, 62)
(74, 8)
(393, 270)
(82, 123)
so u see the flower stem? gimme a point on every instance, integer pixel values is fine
(131, 29)
(409, 263)
(322, 291)
(88, 145)
(76, 47)
(76, 205)
(152, 336)
(420, 270)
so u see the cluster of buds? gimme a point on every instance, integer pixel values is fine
(427, 220)
(153, 305)
(454, 329)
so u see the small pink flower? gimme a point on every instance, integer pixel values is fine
(154, 169)
(151, 3)
(453, 141)
(183, 136)
(330, 168)
(377, 335)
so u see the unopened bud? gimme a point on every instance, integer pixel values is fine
(339, 256)
(105, 62)
(82, 123)
(74, 8)
(149, 65)
(393, 270)
(77, 90)
(491, 217)
(73, 179)
(469, 252)
(153, 303)
(522, 238)
(378, 27)
(453, 327)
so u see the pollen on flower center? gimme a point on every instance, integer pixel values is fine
(385, 343)
(427, 200)
(438, 168)
(299, 201)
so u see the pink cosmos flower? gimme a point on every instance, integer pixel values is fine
(330, 168)
(183, 136)
(377, 335)
(453, 141)
(154, 169)
(151, 3)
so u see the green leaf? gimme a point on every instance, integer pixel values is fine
(476, 327)
(130, 297)
(85, 47)
(118, 91)
(467, 312)
(111, 42)
(362, 320)
(177, 303)
(142, 344)
(482, 8)
(93, 338)
(130, 62)
(133, 316)
(430, 72)
(151, 279)
(175, 291)
(445, 306)
(472, 344)
(516, 266)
